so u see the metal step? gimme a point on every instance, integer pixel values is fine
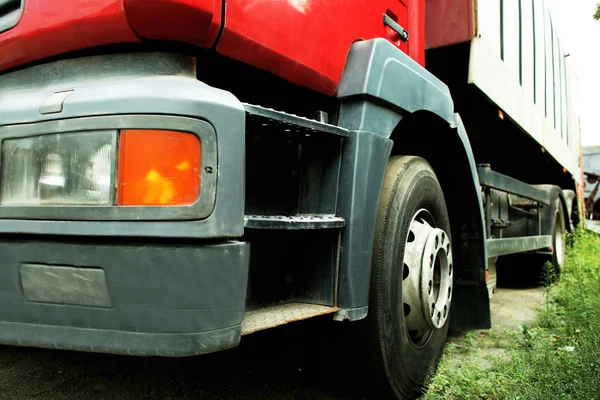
(293, 222)
(266, 119)
(270, 317)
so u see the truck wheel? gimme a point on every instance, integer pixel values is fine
(411, 280)
(559, 240)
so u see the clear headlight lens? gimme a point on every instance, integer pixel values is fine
(60, 169)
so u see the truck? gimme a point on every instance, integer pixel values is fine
(177, 174)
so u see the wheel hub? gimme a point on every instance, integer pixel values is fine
(427, 277)
(559, 245)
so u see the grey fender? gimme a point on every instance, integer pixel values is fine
(387, 97)
(377, 70)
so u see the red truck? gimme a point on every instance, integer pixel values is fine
(175, 174)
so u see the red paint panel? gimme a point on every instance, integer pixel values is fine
(449, 22)
(195, 22)
(50, 28)
(307, 41)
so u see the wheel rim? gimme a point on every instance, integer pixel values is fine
(427, 278)
(559, 241)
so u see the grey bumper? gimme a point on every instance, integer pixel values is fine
(163, 299)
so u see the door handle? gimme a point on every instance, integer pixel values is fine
(403, 33)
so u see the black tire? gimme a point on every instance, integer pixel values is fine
(397, 367)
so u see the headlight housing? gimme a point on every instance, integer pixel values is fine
(147, 167)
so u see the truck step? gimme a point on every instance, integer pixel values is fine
(266, 119)
(270, 317)
(294, 222)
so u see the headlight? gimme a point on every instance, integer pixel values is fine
(60, 169)
(150, 167)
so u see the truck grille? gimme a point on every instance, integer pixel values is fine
(10, 13)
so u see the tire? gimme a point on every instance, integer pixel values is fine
(400, 361)
(559, 241)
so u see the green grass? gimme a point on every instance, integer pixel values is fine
(558, 358)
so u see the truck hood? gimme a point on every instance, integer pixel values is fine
(50, 28)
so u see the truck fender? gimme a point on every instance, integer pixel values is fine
(386, 97)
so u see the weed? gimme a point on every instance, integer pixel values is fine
(557, 358)
(470, 339)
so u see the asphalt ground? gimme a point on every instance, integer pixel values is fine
(281, 364)
(293, 362)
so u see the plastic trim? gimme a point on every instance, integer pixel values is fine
(168, 298)
(134, 84)
(119, 342)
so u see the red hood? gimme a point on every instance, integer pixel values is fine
(49, 28)
(302, 41)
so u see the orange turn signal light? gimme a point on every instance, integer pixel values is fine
(158, 168)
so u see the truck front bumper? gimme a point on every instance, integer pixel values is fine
(139, 299)
(141, 280)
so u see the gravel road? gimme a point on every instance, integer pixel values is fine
(283, 364)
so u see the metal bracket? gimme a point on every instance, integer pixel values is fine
(501, 247)
(350, 314)
(503, 183)
(388, 21)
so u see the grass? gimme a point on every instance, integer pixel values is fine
(557, 358)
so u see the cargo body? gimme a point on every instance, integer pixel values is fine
(177, 174)
(508, 54)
